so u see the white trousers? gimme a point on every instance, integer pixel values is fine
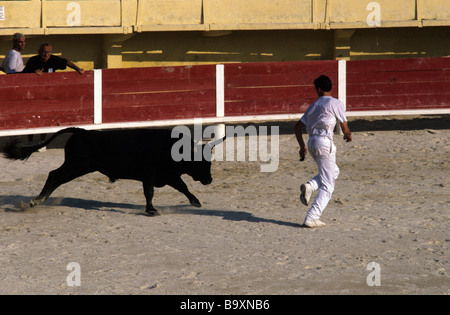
(323, 151)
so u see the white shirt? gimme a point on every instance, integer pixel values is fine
(13, 62)
(320, 118)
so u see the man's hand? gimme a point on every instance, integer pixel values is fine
(70, 64)
(348, 137)
(303, 151)
(346, 131)
(298, 134)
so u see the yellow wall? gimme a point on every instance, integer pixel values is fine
(169, 12)
(400, 43)
(347, 11)
(125, 16)
(137, 33)
(176, 48)
(162, 48)
(234, 12)
(91, 13)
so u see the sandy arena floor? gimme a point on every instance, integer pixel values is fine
(390, 206)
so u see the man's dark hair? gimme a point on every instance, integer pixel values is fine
(324, 83)
(42, 45)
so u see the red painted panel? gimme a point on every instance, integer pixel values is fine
(158, 79)
(398, 84)
(52, 79)
(270, 100)
(25, 93)
(373, 103)
(160, 73)
(46, 119)
(278, 74)
(36, 106)
(274, 88)
(157, 85)
(440, 75)
(159, 93)
(299, 67)
(53, 99)
(397, 102)
(272, 92)
(157, 98)
(169, 112)
(387, 65)
(267, 107)
(407, 88)
(153, 106)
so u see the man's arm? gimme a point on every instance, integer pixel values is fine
(31, 66)
(75, 67)
(299, 134)
(346, 131)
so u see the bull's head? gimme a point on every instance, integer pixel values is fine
(197, 157)
(201, 162)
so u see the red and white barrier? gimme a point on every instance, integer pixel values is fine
(398, 86)
(245, 92)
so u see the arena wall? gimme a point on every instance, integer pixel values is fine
(224, 93)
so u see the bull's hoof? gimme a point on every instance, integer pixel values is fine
(37, 201)
(152, 213)
(196, 203)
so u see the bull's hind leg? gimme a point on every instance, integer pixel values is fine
(149, 192)
(56, 178)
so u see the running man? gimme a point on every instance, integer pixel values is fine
(320, 120)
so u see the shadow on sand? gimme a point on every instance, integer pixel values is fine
(22, 203)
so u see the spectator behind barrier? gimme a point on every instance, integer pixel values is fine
(13, 62)
(46, 62)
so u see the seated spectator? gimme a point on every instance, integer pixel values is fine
(13, 62)
(46, 62)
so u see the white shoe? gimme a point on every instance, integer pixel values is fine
(306, 192)
(311, 223)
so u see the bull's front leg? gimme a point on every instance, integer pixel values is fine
(149, 192)
(179, 185)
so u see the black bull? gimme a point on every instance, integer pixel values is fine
(143, 155)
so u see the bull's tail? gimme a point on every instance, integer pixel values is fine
(14, 151)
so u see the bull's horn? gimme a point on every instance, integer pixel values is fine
(213, 143)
